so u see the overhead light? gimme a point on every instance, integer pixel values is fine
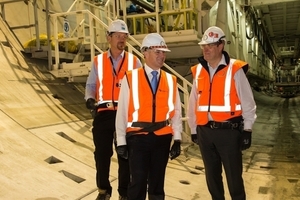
(259, 21)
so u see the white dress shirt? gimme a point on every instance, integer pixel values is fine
(244, 93)
(122, 112)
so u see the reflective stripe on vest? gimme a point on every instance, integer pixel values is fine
(226, 107)
(130, 66)
(135, 96)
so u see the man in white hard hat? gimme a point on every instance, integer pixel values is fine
(221, 114)
(148, 101)
(101, 95)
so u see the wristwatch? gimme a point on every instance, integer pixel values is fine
(249, 130)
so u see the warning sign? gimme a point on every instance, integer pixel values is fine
(66, 28)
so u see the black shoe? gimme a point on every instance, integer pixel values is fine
(104, 196)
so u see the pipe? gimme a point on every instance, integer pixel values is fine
(48, 36)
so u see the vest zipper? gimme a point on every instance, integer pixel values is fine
(153, 107)
(210, 92)
(113, 92)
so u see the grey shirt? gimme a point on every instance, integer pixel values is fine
(90, 89)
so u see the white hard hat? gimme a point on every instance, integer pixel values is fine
(212, 34)
(118, 26)
(154, 40)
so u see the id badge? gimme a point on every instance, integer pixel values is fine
(119, 84)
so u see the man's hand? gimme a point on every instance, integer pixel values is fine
(175, 149)
(122, 151)
(194, 138)
(90, 104)
(246, 140)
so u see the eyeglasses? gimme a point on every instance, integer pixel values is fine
(119, 36)
(157, 52)
(209, 46)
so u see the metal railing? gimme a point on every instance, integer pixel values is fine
(85, 34)
(172, 16)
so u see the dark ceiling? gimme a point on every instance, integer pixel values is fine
(281, 21)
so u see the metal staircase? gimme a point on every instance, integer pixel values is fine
(91, 23)
(90, 34)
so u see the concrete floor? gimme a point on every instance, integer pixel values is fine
(46, 148)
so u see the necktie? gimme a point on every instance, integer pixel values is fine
(154, 81)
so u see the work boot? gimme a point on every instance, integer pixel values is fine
(103, 195)
(122, 198)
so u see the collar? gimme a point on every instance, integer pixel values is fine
(120, 56)
(222, 62)
(148, 70)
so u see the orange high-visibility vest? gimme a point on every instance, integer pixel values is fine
(219, 97)
(109, 82)
(144, 106)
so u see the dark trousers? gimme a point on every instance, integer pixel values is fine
(148, 158)
(222, 146)
(103, 135)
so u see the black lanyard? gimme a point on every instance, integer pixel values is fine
(112, 63)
